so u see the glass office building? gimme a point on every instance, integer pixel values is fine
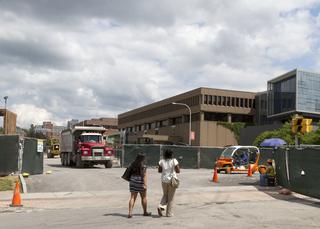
(296, 92)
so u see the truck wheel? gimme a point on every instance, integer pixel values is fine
(49, 155)
(79, 163)
(68, 159)
(62, 159)
(108, 164)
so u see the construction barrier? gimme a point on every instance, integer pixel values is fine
(9, 154)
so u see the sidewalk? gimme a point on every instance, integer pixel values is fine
(79, 200)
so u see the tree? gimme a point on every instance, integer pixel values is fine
(31, 129)
(285, 133)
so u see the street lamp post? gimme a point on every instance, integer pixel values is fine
(5, 116)
(183, 104)
(5, 102)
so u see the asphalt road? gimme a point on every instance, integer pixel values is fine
(98, 178)
(98, 198)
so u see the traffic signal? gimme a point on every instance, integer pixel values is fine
(301, 125)
(305, 125)
(296, 125)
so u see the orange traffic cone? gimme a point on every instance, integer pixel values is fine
(215, 176)
(16, 201)
(249, 171)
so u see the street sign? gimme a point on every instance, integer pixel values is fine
(192, 136)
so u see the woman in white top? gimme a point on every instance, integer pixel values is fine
(165, 167)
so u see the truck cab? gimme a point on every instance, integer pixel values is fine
(83, 146)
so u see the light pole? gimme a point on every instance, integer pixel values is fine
(5, 102)
(183, 104)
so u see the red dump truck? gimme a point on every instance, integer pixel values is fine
(83, 146)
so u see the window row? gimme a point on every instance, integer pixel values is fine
(228, 101)
(171, 121)
(192, 101)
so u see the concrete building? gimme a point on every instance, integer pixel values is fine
(49, 129)
(295, 92)
(71, 123)
(166, 122)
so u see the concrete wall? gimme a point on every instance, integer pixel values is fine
(216, 135)
(249, 134)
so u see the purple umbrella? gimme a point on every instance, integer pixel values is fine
(273, 142)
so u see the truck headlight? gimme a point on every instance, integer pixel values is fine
(109, 152)
(85, 152)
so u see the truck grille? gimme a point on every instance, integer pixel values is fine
(97, 151)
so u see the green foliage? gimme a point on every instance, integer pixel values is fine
(234, 127)
(285, 133)
(26, 131)
(31, 129)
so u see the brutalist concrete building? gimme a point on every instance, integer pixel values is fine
(296, 92)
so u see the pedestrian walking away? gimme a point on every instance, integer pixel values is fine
(168, 167)
(138, 183)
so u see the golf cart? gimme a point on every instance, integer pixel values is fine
(228, 159)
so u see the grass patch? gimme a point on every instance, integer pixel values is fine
(8, 183)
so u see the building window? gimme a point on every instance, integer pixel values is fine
(173, 130)
(250, 103)
(214, 100)
(228, 101)
(209, 116)
(156, 132)
(153, 125)
(223, 100)
(205, 99)
(210, 99)
(245, 102)
(237, 102)
(219, 100)
(284, 103)
(241, 102)
(233, 101)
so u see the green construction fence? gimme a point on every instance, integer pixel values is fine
(9, 153)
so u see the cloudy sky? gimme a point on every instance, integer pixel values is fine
(77, 59)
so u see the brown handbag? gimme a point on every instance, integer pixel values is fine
(174, 181)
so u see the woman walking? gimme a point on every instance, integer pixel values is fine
(168, 167)
(138, 183)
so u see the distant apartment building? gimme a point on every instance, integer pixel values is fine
(49, 129)
(71, 123)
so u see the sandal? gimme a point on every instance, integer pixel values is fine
(160, 211)
(147, 214)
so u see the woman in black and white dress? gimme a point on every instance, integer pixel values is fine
(138, 183)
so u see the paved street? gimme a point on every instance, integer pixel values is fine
(236, 200)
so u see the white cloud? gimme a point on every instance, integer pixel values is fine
(65, 62)
(28, 114)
